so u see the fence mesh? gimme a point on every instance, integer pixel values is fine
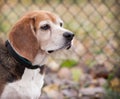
(96, 24)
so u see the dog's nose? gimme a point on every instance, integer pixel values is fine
(68, 35)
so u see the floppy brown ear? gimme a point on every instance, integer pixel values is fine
(22, 37)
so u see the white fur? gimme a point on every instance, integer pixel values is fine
(29, 87)
(51, 39)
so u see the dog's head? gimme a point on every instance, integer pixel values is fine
(39, 31)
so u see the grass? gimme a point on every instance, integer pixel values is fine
(69, 63)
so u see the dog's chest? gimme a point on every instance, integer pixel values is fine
(28, 87)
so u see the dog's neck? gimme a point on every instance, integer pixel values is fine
(31, 74)
(38, 62)
(13, 69)
(27, 63)
(39, 59)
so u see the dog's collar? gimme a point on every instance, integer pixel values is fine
(21, 59)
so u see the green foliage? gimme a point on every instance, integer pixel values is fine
(110, 94)
(76, 73)
(110, 76)
(69, 63)
(112, 91)
(90, 63)
(5, 27)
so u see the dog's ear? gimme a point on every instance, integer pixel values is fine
(23, 39)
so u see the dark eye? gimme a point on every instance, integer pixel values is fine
(45, 27)
(61, 24)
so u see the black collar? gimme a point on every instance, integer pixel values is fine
(21, 59)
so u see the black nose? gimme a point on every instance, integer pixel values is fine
(68, 35)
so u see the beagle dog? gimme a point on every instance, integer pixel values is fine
(36, 35)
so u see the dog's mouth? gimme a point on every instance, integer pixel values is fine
(66, 46)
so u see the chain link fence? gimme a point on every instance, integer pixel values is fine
(96, 24)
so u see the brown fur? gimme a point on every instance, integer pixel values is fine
(23, 39)
(8, 66)
(22, 36)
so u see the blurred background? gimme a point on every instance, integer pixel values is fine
(91, 68)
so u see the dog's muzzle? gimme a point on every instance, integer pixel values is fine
(68, 39)
(68, 36)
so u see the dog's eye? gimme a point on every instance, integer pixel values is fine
(61, 24)
(45, 27)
